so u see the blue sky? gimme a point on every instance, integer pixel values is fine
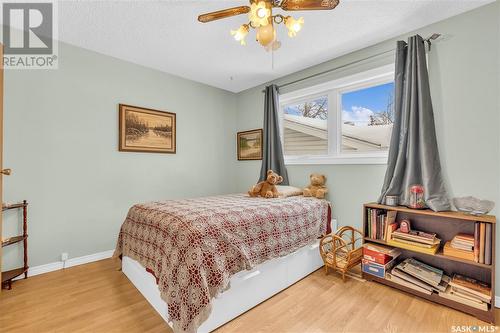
(374, 98)
(359, 105)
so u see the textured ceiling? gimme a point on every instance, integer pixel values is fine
(165, 35)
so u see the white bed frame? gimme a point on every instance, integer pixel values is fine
(248, 288)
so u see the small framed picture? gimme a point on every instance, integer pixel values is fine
(249, 145)
(146, 130)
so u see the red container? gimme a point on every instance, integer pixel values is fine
(374, 256)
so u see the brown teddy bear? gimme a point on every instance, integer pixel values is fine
(317, 187)
(267, 188)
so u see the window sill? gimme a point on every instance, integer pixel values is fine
(341, 160)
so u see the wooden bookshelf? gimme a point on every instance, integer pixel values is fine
(446, 225)
(428, 212)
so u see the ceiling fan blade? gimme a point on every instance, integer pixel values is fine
(309, 4)
(223, 14)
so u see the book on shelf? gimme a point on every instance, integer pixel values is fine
(468, 295)
(374, 223)
(465, 238)
(445, 281)
(426, 246)
(476, 242)
(391, 226)
(482, 234)
(412, 247)
(377, 221)
(463, 242)
(472, 286)
(390, 223)
(426, 273)
(459, 246)
(482, 248)
(410, 279)
(416, 236)
(450, 251)
(487, 244)
(407, 284)
(368, 231)
(379, 254)
(443, 284)
(448, 294)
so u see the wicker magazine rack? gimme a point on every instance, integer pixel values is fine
(343, 250)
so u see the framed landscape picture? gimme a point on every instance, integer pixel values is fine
(249, 145)
(146, 130)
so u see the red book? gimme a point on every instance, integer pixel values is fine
(377, 257)
(379, 254)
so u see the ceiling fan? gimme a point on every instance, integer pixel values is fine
(260, 13)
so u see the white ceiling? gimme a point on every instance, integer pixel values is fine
(165, 35)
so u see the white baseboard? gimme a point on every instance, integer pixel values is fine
(54, 266)
(89, 258)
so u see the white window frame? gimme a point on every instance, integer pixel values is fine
(334, 89)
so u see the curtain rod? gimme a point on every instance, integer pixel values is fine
(428, 40)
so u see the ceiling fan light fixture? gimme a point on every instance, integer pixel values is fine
(263, 20)
(259, 13)
(266, 34)
(293, 25)
(240, 34)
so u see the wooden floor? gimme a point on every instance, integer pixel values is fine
(98, 298)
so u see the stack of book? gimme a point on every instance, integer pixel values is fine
(378, 220)
(416, 275)
(468, 291)
(461, 246)
(482, 243)
(463, 242)
(378, 259)
(415, 240)
(379, 254)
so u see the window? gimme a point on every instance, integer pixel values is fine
(367, 117)
(346, 121)
(305, 129)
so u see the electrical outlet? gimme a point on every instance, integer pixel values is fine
(64, 256)
(334, 225)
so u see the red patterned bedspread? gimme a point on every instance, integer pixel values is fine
(194, 246)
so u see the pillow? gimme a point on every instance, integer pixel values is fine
(288, 191)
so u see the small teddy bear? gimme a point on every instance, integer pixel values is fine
(317, 187)
(267, 188)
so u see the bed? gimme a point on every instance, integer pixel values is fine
(202, 262)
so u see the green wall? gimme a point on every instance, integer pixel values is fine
(464, 76)
(61, 140)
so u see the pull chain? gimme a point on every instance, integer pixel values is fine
(272, 59)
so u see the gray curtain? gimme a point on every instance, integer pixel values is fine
(273, 152)
(413, 153)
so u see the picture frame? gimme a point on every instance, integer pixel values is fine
(250, 145)
(146, 130)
